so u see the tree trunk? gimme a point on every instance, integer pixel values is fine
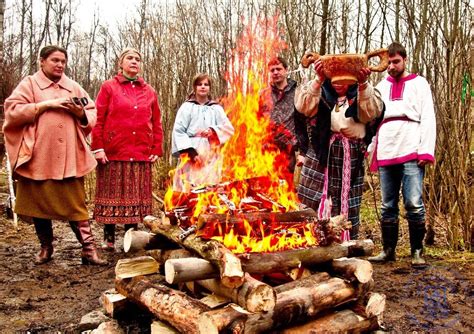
(189, 269)
(353, 269)
(253, 295)
(297, 304)
(345, 321)
(167, 304)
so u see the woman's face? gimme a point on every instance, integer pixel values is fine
(131, 64)
(202, 88)
(53, 66)
(341, 90)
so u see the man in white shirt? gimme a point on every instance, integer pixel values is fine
(404, 144)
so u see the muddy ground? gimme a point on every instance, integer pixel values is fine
(52, 298)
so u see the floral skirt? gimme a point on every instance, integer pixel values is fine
(123, 192)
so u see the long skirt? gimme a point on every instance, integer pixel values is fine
(51, 199)
(311, 186)
(123, 192)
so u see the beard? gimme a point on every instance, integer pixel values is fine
(396, 73)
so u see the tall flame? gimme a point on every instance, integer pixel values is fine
(249, 154)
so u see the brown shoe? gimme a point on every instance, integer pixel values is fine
(45, 255)
(91, 256)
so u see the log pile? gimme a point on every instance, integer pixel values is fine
(195, 285)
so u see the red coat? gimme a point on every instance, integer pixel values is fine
(128, 124)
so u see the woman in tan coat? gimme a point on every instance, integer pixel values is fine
(47, 119)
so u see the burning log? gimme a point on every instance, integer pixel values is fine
(291, 216)
(261, 263)
(253, 295)
(345, 321)
(230, 269)
(189, 269)
(303, 300)
(167, 304)
(353, 269)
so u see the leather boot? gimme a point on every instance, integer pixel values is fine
(44, 231)
(389, 241)
(417, 233)
(83, 232)
(109, 238)
(130, 226)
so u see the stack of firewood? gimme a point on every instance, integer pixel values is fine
(196, 285)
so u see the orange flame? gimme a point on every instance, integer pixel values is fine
(247, 155)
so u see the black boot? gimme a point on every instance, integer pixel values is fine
(417, 233)
(129, 226)
(355, 232)
(44, 231)
(389, 241)
(83, 232)
(109, 238)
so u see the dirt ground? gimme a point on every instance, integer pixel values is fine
(52, 298)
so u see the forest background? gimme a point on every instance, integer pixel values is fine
(180, 38)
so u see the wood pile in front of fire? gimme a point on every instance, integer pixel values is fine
(194, 285)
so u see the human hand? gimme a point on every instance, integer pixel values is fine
(422, 163)
(300, 160)
(207, 133)
(363, 75)
(51, 104)
(101, 157)
(318, 67)
(153, 158)
(77, 109)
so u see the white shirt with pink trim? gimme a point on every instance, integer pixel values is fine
(408, 131)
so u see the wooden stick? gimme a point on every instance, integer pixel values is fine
(12, 191)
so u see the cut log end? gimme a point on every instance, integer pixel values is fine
(135, 240)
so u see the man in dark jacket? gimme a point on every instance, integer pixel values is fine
(287, 126)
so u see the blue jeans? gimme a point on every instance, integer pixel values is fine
(408, 176)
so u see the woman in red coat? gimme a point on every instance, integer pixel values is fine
(126, 140)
